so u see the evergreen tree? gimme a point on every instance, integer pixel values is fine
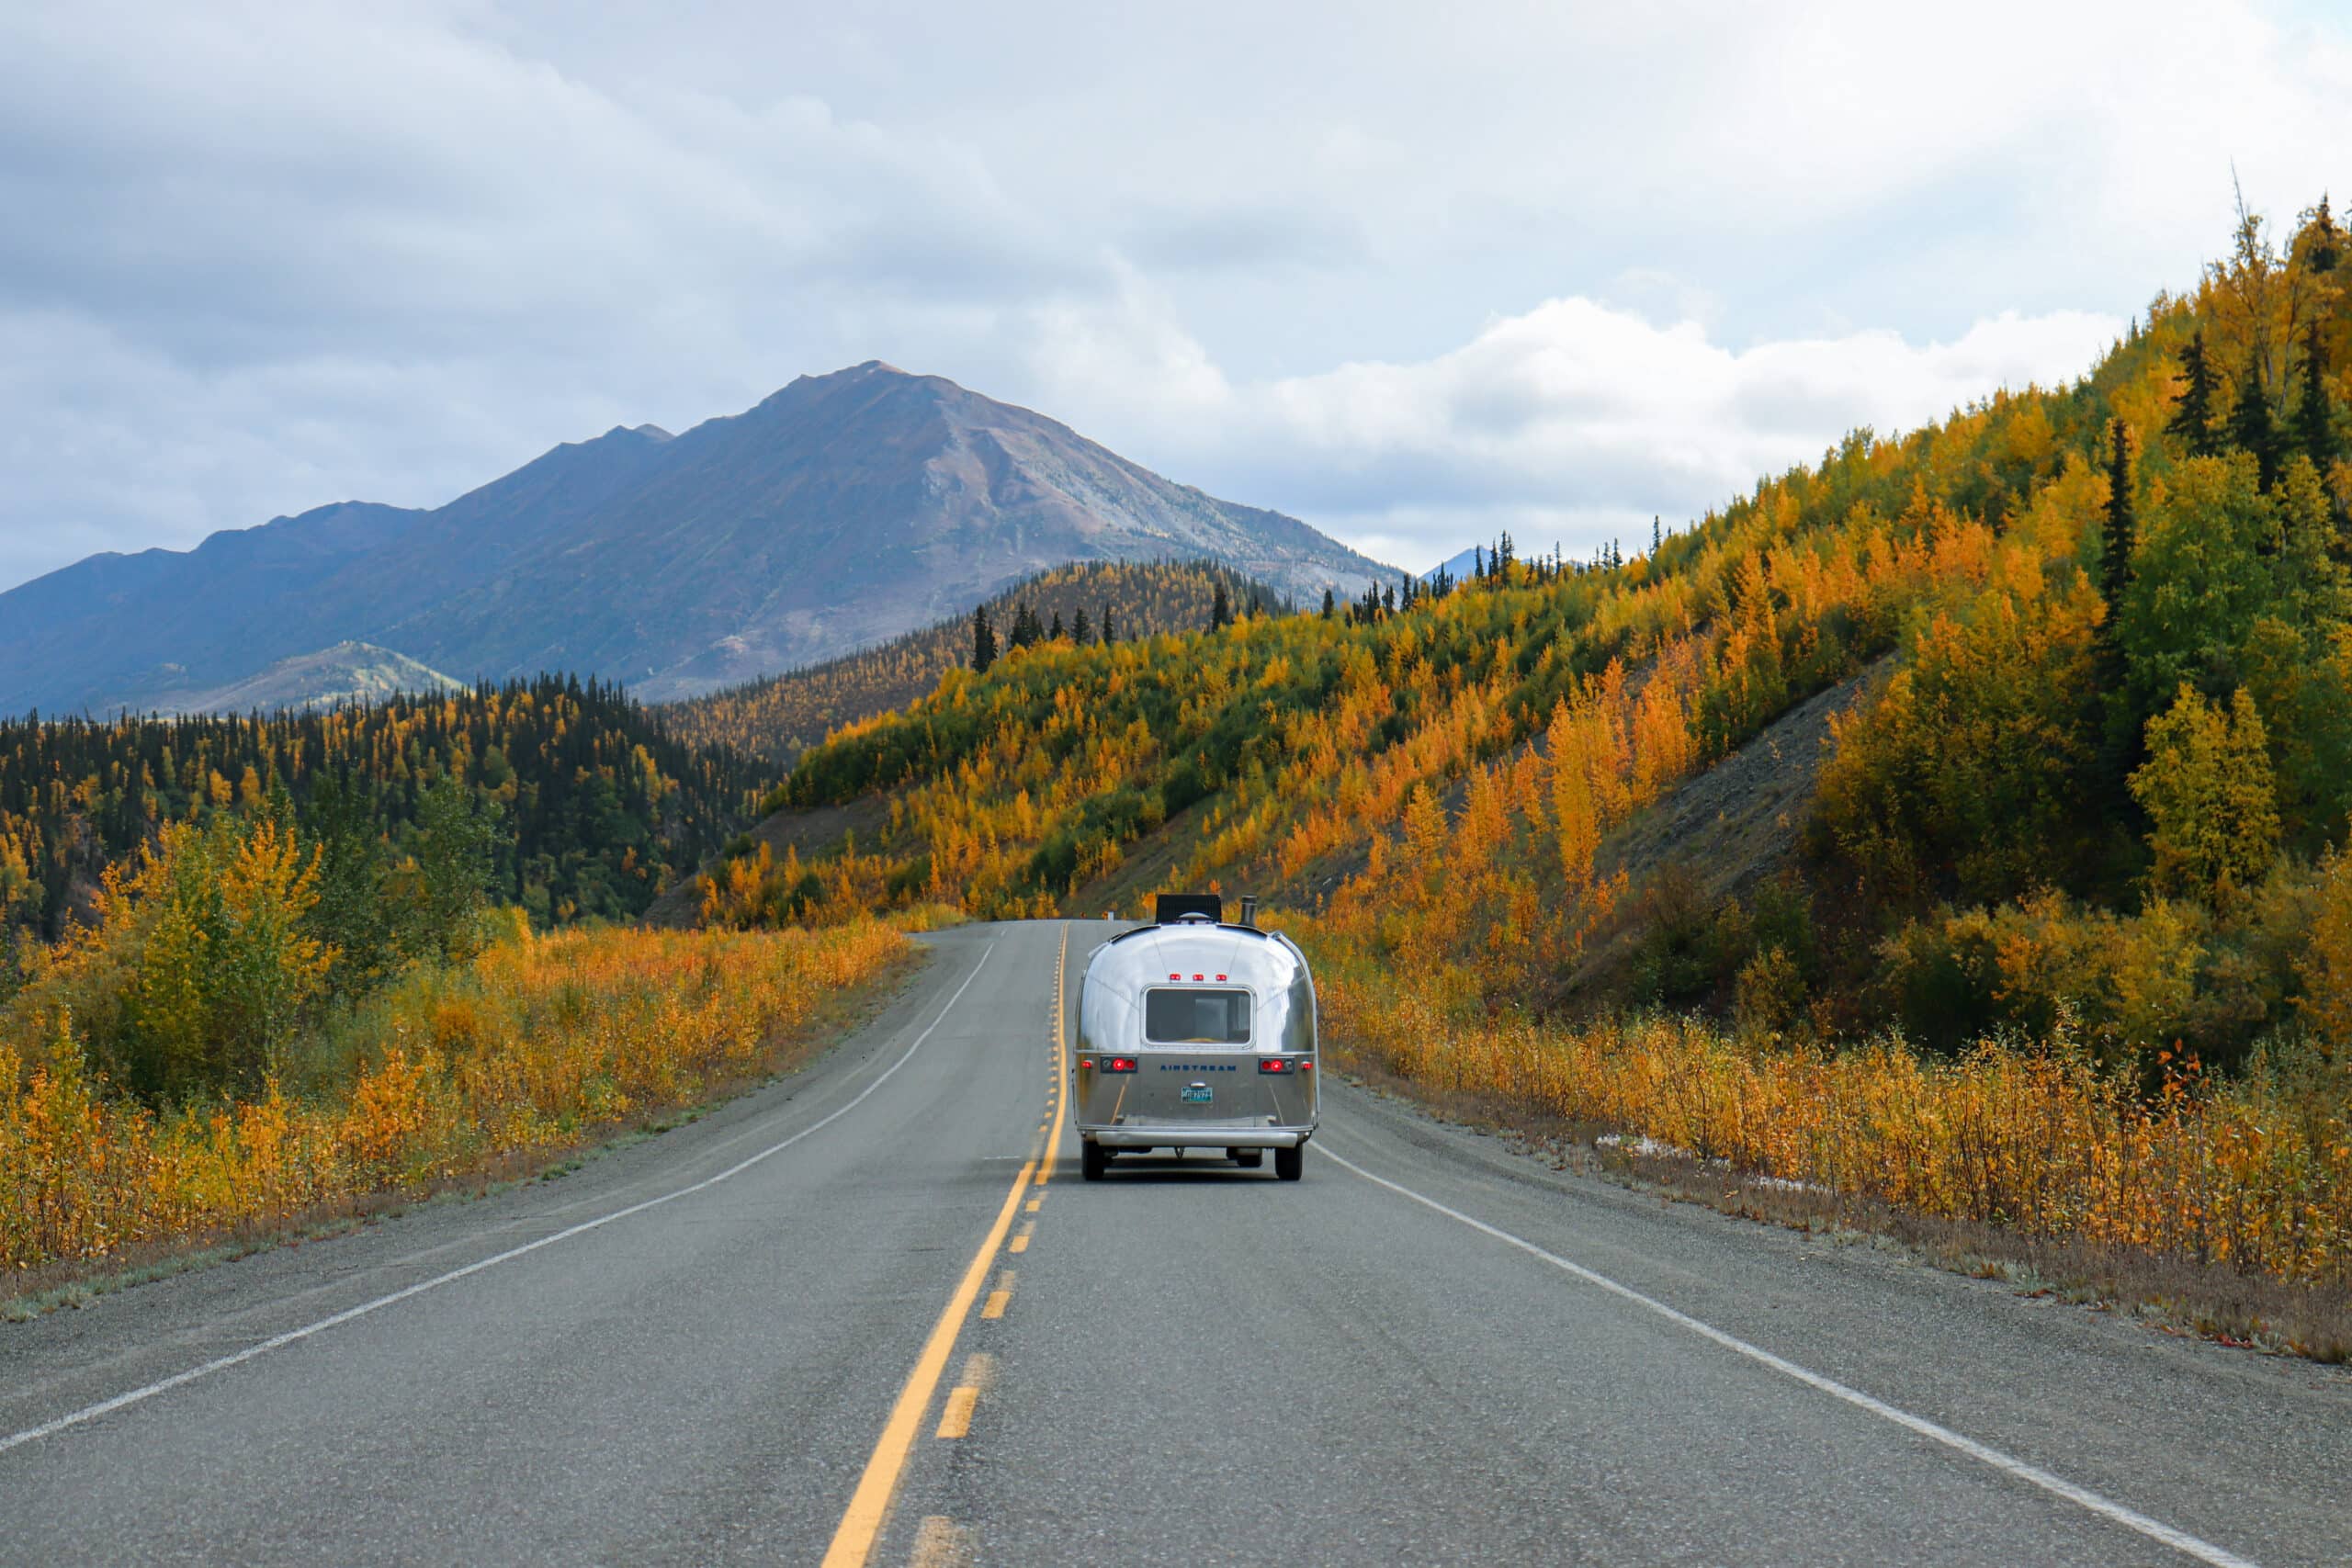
(1109, 631)
(2323, 240)
(2254, 425)
(2192, 416)
(2119, 745)
(1328, 603)
(1657, 534)
(1026, 629)
(2118, 528)
(1081, 631)
(983, 641)
(1388, 599)
(1055, 632)
(1220, 610)
(2314, 415)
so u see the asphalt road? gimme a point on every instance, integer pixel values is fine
(855, 1314)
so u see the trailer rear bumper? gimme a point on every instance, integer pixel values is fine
(1196, 1136)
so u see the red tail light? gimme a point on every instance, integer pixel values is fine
(1118, 1064)
(1273, 1064)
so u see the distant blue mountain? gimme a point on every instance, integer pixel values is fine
(839, 513)
(1461, 565)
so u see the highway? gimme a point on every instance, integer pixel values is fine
(871, 1315)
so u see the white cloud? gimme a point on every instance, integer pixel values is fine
(1573, 422)
(1407, 272)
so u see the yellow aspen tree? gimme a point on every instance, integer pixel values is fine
(2207, 791)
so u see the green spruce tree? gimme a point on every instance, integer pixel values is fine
(2254, 425)
(983, 641)
(2314, 411)
(2192, 416)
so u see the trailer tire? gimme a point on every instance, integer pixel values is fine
(1248, 1159)
(1093, 1160)
(1290, 1164)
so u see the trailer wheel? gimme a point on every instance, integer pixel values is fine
(1290, 1164)
(1248, 1159)
(1093, 1160)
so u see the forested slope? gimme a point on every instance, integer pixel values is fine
(585, 804)
(778, 717)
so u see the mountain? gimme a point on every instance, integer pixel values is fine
(840, 512)
(347, 672)
(1458, 567)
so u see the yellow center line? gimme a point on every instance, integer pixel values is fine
(869, 1505)
(1061, 1062)
(1032, 1204)
(955, 1419)
(999, 1298)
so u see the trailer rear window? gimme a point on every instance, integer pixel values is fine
(1196, 1018)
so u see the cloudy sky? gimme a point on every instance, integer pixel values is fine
(1412, 273)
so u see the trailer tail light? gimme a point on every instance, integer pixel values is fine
(1308, 1065)
(1086, 1061)
(1273, 1064)
(1118, 1064)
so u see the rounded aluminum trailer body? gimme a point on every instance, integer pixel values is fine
(1172, 1057)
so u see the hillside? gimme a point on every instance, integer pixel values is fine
(587, 806)
(780, 717)
(840, 512)
(2118, 618)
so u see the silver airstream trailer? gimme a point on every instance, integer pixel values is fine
(1195, 1034)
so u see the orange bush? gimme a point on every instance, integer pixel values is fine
(537, 1042)
(2249, 1173)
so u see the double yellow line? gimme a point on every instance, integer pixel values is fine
(869, 1505)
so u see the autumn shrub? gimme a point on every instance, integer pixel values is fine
(534, 1043)
(2171, 976)
(2254, 1170)
(199, 972)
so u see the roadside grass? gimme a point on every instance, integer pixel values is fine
(557, 1147)
(2169, 1291)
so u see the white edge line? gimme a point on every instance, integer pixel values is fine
(2107, 1509)
(278, 1342)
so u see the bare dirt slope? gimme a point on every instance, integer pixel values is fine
(1737, 823)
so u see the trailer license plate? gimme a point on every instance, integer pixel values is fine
(1198, 1094)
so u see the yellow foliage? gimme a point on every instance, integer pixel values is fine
(535, 1043)
(2326, 968)
(2039, 1141)
(2207, 790)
